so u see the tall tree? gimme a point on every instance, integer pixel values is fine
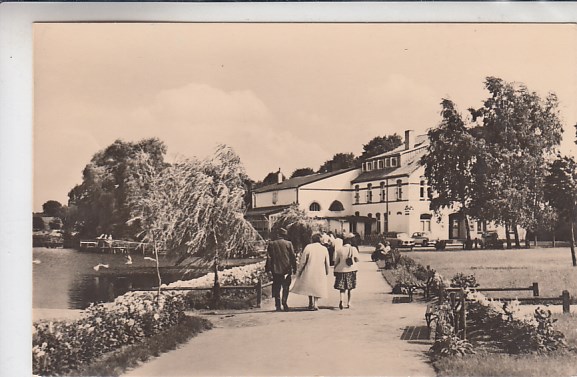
(110, 181)
(196, 208)
(339, 161)
(561, 191)
(302, 172)
(450, 163)
(380, 144)
(52, 208)
(520, 130)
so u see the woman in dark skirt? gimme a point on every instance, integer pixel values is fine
(346, 259)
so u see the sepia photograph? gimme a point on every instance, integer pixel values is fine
(303, 199)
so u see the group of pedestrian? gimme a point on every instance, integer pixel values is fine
(314, 267)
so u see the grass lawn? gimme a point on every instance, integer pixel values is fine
(550, 267)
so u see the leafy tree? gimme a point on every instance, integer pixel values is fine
(109, 183)
(339, 161)
(299, 226)
(561, 191)
(52, 208)
(55, 223)
(520, 130)
(450, 163)
(271, 178)
(380, 144)
(302, 172)
(196, 208)
(38, 223)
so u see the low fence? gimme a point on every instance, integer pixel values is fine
(452, 302)
(258, 288)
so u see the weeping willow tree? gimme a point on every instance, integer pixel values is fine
(195, 209)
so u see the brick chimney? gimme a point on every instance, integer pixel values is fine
(409, 139)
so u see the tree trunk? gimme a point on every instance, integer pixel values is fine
(157, 273)
(572, 243)
(516, 231)
(507, 235)
(467, 229)
(553, 238)
(216, 287)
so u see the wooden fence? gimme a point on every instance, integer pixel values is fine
(454, 302)
(258, 288)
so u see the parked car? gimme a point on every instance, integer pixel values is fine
(490, 240)
(400, 239)
(423, 239)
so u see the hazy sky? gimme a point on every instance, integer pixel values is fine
(282, 95)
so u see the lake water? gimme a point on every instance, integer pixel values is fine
(66, 279)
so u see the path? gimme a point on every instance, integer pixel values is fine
(363, 340)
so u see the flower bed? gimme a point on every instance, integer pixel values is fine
(518, 332)
(61, 346)
(504, 323)
(243, 275)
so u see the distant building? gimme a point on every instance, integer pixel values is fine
(388, 193)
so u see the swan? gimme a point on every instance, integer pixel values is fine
(97, 267)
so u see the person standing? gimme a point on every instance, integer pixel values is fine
(312, 272)
(346, 259)
(281, 263)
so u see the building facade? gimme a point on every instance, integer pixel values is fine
(388, 193)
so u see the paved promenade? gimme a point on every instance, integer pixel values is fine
(369, 339)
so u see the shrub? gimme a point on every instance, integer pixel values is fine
(461, 280)
(60, 346)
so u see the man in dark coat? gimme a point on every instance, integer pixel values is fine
(281, 263)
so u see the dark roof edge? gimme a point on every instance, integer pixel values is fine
(320, 176)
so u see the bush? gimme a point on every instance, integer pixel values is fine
(461, 280)
(60, 346)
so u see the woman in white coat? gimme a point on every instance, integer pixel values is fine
(312, 272)
(345, 273)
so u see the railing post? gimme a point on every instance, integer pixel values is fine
(258, 293)
(566, 301)
(453, 307)
(463, 315)
(535, 289)
(441, 295)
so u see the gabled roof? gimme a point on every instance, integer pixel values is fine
(301, 181)
(409, 165)
(419, 142)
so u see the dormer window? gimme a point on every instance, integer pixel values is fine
(380, 164)
(393, 161)
(387, 162)
(369, 165)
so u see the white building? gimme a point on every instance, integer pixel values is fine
(388, 193)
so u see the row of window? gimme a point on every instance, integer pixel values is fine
(382, 192)
(389, 162)
(335, 206)
(424, 194)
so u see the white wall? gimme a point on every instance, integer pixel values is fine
(325, 192)
(284, 197)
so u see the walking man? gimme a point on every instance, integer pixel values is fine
(281, 263)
